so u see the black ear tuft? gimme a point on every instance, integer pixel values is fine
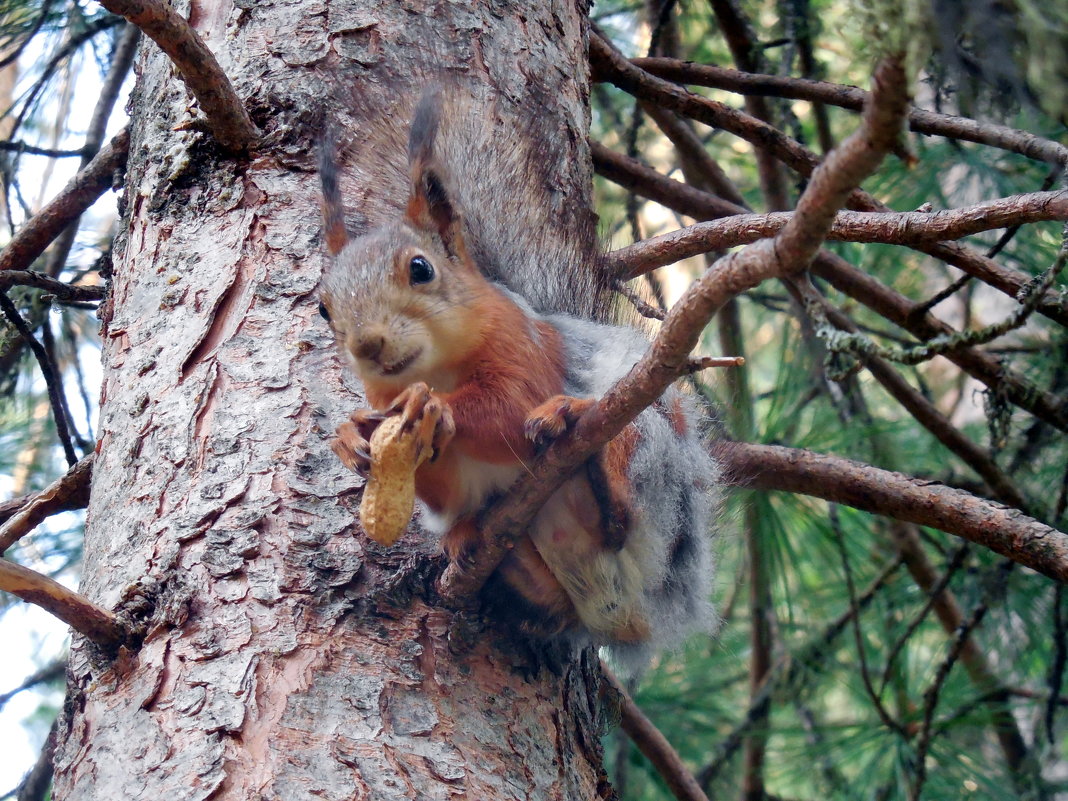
(425, 124)
(333, 207)
(431, 206)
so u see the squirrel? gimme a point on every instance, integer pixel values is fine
(464, 333)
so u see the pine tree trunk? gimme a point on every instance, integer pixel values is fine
(286, 656)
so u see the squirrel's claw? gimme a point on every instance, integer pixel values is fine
(366, 421)
(352, 449)
(550, 420)
(421, 408)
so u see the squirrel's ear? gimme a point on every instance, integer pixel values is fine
(333, 208)
(430, 207)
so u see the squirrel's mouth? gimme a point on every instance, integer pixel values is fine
(399, 367)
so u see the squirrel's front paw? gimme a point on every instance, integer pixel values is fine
(547, 422)
(351, 443)
(422, 409)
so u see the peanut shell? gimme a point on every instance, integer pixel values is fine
(389, 497)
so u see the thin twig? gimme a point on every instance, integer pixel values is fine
(708, 362)
(227, 117)
(60, 289)
(9, 146)
(50, 672)
(933, 692)
(52, 378)
(13, 55)
(858, 638)
(643, 308)
(48, 342)
(121, 62)
(955, 564)
(1055, 678)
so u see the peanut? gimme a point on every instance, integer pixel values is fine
(389, 497)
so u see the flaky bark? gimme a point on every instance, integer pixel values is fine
(286, 657)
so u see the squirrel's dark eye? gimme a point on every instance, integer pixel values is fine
(323, 311)
(420, 271)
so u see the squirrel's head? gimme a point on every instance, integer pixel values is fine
(403, 299)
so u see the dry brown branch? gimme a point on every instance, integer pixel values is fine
(851, 97)
(612, 66)
(892, 228)
(62, 290)
(707, 362)
(1002, 529)
(654, 745)
(78, 195)
(226, 115)
(69, 491)
(77, 611)
(844, 277)
(693, 156)
(666, 360)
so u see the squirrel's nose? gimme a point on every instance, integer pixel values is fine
(369, 347)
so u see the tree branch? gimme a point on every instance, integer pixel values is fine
(78, 195)
(1003, 530)
(8, 146)
(61, 289)
(891, 228)
(34, 786)
(50, 672)
(654, 745)
(844, 277)
(622, 73)
(853, 98)
(52, 377)
(227, 117)
(69, 491)
(77, 611)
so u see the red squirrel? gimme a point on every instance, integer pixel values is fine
(621, 551)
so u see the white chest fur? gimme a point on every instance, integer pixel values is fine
(477, 481)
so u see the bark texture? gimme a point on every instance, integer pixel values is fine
(284, 656)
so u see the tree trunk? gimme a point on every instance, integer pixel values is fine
(286, 656)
